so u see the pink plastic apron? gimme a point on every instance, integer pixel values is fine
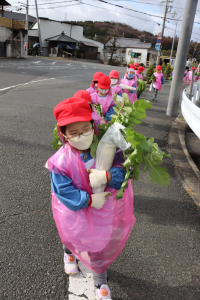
(91, 90)
(105, 102)
(132, 96)
(158, 84)
(185, 77)
(139, 75)
(116, 90)
(96, 237)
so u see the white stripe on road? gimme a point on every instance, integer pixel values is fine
(14, 86)
(37, 62)
(81, 286)
(53, 63)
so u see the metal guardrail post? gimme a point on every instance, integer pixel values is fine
(191, 86)
(194, 93)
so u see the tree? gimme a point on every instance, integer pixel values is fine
(168, 70)
(150, 70)
(163, 68)
(112, 44)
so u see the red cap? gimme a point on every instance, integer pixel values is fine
(131, 67)
(104, 82)
(136, 64)
(114, 74)
(72, 110)
(141, 69)
(97, 75)
(159, 68)
(84, 95)
(193, 68)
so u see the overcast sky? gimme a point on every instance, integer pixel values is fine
(95, 10)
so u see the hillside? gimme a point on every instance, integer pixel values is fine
(103, 29)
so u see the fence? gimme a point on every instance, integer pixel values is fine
(13, 24)
(190, 111)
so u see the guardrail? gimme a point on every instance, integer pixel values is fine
(190, 111)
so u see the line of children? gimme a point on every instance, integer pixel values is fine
(92, 227)
(159, 81)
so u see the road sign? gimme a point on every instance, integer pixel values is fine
(157, 46)
(159, 41)
(160, 34)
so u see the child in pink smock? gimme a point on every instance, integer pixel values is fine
(190, 75)
(92, 227)
(93, 87)
(104, 97)
(130, 80)
(115, 88)
(139, 72)
(97, 118)
(160, 80)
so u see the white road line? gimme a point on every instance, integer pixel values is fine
(81, 286)
(53, 63)
(34, 81)
(37, 62)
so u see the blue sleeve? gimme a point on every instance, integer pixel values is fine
(72, 198)
(109, 113)
(163, 80)
(120, 95)
(118, 176)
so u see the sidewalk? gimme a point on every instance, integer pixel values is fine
(160, 260)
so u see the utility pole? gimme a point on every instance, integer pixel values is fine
(40, 40)
(181, 57)
(27, 16)
(163, 28)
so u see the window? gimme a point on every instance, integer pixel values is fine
(136, 55)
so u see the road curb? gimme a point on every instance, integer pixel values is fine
(189, 172)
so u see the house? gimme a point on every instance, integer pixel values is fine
(13, 35)
(61, 44)
(52, 29)
(127, 49)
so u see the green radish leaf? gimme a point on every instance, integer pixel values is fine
(159, 175)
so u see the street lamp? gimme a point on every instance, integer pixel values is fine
(174, 39)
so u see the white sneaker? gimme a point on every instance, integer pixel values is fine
(70, 265)
(103, 293)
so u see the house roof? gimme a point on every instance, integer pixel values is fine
(18, 16)
(4, 3)
(90, 44)
(62, 22)
(62, 38)
(129, 43)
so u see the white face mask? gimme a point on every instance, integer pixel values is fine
(83, 143)
(102, 91)
(114, 81)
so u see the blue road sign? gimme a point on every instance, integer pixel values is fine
(157, 47)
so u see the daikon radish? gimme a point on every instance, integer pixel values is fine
(127, 87)
(106, 149)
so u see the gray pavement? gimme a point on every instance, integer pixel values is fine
(161, 258)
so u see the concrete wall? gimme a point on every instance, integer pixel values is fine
(17, 48)
(5, 33)
(143, 52)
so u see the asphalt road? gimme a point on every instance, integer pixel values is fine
(161, 258)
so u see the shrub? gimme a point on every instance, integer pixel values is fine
(150, 70)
